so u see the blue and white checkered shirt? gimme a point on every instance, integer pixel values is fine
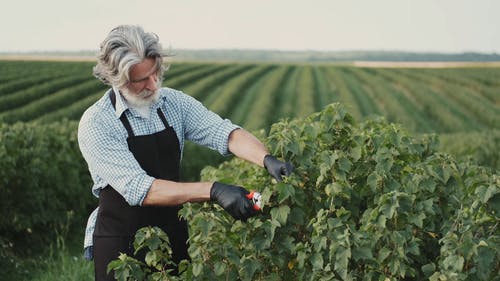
(103, 142)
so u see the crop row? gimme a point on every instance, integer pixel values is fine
(257, 95)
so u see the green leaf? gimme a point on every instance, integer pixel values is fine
(285, 191)
(442, 173)
(356, 153)
(293, 148)
(428, 185)
(383, 254)
(428, 269)
(122, 275)
(485, 193)
(394, 266)
(155, 276)
(183, 266)
(428, 206)
(389, 209)
(317, 261)
(249, 266)
(384, 161)
(219, 268)
(280, 214)
(362, 253)
(335, 189)
(205, 226)
(381, 221)
(115, 264)
(437, 277)
(153, 243)
(197, 269)
(319, 243)
(152, 258)
(296, 216)
(341, 261)
(418, 219)
(140, 237)
(485, 258)
(454, 263)
(301, 258)
(138, 273)
(344, 164)
(412, 248)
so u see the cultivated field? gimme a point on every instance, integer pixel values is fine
(443, 100)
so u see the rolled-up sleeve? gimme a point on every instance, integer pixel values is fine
(109, 159)
(205, 127)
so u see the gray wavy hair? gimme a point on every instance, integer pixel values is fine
(125, 46)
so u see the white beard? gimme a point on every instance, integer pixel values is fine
(142, 100)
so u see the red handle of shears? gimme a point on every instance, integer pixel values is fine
(256, 201)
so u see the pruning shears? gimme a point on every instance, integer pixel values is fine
(256, 198)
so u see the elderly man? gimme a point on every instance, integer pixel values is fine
(132, 140)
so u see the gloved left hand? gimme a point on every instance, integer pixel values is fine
(277, 168)
(233, 199)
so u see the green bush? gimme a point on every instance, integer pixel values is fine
(43, 181)
(366, 202)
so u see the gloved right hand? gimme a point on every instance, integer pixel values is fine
(277, 168)
(233, 199)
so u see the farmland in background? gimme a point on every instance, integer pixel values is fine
(447, 100)
(460, 103)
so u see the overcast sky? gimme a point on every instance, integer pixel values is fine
(404, 25)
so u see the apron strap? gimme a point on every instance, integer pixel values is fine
(123, 118)
(112, 97)
(127, 126)
(162, 117)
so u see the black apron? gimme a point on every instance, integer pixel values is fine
(117, 222)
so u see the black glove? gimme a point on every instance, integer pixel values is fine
(277, 168)
(232, 198)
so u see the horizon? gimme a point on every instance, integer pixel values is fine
(356, 58)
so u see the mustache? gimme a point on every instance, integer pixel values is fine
(145, 93)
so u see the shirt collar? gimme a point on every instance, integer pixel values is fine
(121, 104)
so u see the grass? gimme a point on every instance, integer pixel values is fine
(61, 260)
(64, 265)
(53, 264)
